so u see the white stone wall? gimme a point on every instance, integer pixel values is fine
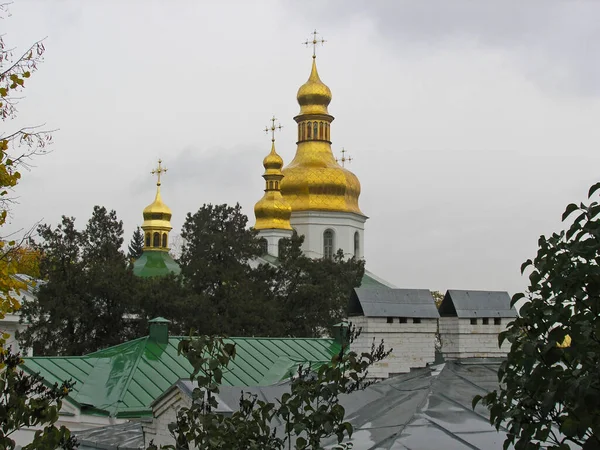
(461, 339)
(413, 344)
(10, 324)
(165, 413)
(312, 225)
(273, 237)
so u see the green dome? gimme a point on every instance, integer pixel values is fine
(155, 264)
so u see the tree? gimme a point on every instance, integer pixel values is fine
(24, 399)
(15, 149)
(307, 415)
(549, 393)
(438, 297)
(300, 296)
(216, 269)
(136, 246)
(89, 288)
(313, 293)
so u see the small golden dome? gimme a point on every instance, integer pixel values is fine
(273, 161)
(314, 96)
(157, 206)
(272, 211)
(157, 214)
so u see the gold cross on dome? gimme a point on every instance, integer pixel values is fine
(159, 171)
(314, 42)
(344, 158)
(272, 128)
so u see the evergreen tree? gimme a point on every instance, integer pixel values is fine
(136, 246)
(299, 297)
(88, 291)
(313, 294)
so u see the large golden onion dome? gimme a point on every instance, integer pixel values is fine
(314, 181)
(272, 211)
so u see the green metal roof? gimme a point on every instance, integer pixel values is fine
(155, 263)
(371, 280)
(124, 380)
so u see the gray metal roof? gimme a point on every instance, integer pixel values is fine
(125, 436)
(425, 409)
(383, 302)
(466, 304)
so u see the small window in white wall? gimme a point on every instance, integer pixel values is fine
(328, 244)
(497, 321)
(356, 244)
(264, 246)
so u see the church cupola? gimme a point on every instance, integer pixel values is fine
(314, 181)
(156, 260)
(272, 211)
(322, 193)
(157, 218)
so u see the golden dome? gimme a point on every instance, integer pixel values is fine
(272, 211)
(157, 219)
(273, 162)
(314, 96)
(314, 180)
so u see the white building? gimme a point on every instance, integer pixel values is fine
(405, 319)
(471, 321)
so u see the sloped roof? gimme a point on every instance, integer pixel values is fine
(125, 379)
(125, 436)
(425, 409)
(467, 304)
(155, 263)
(386, 302)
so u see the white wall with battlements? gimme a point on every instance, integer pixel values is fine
(164, 413)
(412, 344)
(462, 339)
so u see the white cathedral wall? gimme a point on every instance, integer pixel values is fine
(273, 236)
(312, 224)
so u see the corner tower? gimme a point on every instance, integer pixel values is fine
(155, 260)
(272, 211)
(323, 195)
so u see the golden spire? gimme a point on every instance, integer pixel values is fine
(343, 158)
(314, 181)
(272, 211)
(157, 218)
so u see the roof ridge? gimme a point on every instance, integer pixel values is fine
(112, 347)
(132, 371)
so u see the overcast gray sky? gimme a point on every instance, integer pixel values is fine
(471, 124)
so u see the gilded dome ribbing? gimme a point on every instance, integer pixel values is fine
(272, 211)
(314, 96)
(314, 181)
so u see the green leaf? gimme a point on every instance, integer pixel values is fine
(593, 189)
(570, 208)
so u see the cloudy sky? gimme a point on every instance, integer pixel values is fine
(471, 124)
